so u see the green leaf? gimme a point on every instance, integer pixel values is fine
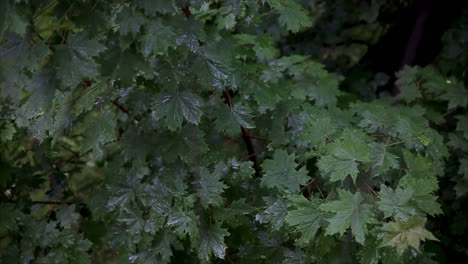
(263, 46)
(293, 17)
(130, 21)
(174, 108)
(407, 82)
(382, 160)
(74, 60)
(402, 235)
(456, 95)
(100, 131)
(37, 113)
(20, 53)
(318, 131)
(229, 120)
(210, 188)
(343, 157)
(184, 222)
(4, 8)
(7, 132)
(326, 90)
(236, 215)
(281, 172)
(350, 211)
(462, 125)
(157, 39)
(187, 144)
(305, 217)
(212, 242)
(124, 66)
(396, 203)
(275, 213)
(67, 216)
(214, 64)
(9, 217)
(153, 7)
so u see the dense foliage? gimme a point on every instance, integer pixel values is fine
(223, 132)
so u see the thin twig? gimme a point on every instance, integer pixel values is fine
(60, 21)
(51, 202)
(227, 142)
(252, 155)
(320, 190)
(258, 137)
(125, 110)
(370, 189)
(400, 142)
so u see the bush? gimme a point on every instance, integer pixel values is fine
(224, 132)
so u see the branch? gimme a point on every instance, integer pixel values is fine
(247, 139)
(51, 202)
(125, 110)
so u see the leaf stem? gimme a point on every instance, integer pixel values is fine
(400, 142)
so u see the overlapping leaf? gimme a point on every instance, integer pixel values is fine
(350, 212)
(281, 172)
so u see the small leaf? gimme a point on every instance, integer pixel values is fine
(212, 242)
(293, 16)
(174, 108)
(130, 21)
(157, 39)
(74, 60)
(210, 188)
(342, 158)
(100, 131)
(230, 120)
(350, 211)
(306, 218)
(281, 172)
(275, 213)
(396, 203)
(402, 235)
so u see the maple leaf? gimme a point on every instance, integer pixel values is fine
(342, 158)
(462, 125)
(350, 211)
(281, 172)
(187, 144)
(8, 222)
(230, 119)
(67, 216)
(184, 222)
(263, 46)
(74, 60)
(396, 203)
(100, 132)
(306, 217)
(19, 53)
(318, 131)
(157, 38)
(153, 7)
(456, 95)
(402, 235)
(407, 81)
(212, 242)
(325, 91)
(215, 65)
(274, 214)
(382, 160)
(130, 21)
(210, 188)
(124, 65)
(37, 111)
(174, 108)
(293, 16)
